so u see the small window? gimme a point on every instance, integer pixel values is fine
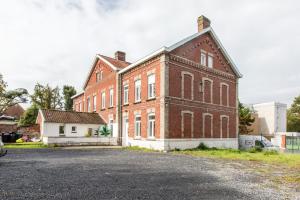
(151, 125)
(94, 103)
(137, 125)
(80, 109)
(103, 100)
(101, 75)
(74, 129)
(88, 104)
(111, 97)
(210, 61)
(203, 59)
(151, 86)
(125, 94)
(138, 90)
(61, 130)
(98, 77)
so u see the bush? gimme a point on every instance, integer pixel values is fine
(271, 152)
(20, 140)
(202, 146)
(255, 149)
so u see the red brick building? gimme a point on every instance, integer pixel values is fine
(176, 97)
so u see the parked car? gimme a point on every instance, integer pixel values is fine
(3, 152)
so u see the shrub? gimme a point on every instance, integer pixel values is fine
(255, 149)
(202, 146)
(20, 140)
(271, 152)
(88, 134)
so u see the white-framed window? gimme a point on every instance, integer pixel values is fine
(61, 130)
(203, 59)
(94, 103)
(74, 129)
(102, 100)
(101, 75)
(126, 88)
(88, 102)
(80, 109)
(98, 78)
(210, 61)
(151, 125)
(111, 97)
(137, 87)
(151, 86)
(137, 125)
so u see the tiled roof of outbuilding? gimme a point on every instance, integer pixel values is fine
(59, 116)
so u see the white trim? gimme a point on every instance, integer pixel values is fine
(203, 123)
(182, 122)
(221, 93)
(182, 84)
(221, 125)
(211, 89)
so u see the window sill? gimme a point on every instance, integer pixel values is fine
(126, 104)
(102, 109)
(137, 138)
(151, 138)
(110, 107)
(151, 99)
(137, 102)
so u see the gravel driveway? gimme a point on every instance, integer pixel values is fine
(121, 174)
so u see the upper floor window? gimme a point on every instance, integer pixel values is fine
(111, 97)
(103, 100)
(210, 61)
(151, 86)
(80, 109)
(203, 58)
(137, 86)
(151, 125)
(125, 94)
(97, 76)
(88, 104)
(94, 103)
(137, 125)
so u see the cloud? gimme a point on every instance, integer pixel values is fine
(55, 41)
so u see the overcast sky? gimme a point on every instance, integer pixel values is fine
(55, 42)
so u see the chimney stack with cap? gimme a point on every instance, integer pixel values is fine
(203, 23)
(120, 55)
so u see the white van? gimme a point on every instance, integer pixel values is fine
(248, 141)
(2, 151)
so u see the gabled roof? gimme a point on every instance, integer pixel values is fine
(15, 111)
(70, 117)
(115, 64)
(182, 42)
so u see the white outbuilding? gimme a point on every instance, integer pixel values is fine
(72, 128)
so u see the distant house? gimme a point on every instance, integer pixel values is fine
(69, 127)
(9, 119)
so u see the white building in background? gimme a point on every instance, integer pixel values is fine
(271, 117)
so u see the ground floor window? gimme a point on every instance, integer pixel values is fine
(74, 129)
(151, 125)
(137, 126)
(62, 130)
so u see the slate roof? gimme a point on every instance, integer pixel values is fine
(70, 117)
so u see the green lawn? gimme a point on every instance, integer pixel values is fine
(25, 145)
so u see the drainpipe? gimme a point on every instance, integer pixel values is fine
(120, 121)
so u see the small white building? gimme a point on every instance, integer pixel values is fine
(72, 128)
(271, 117)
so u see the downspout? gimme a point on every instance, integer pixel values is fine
(237, 111)
(120, 121)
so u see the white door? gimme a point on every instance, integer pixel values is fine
(125, 130)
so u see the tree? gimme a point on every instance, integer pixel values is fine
(29, 117)
(245, 119)
(46, 97)
(68, 92)
(10, 98)
(293, 116)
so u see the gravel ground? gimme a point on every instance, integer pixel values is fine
(121, 174)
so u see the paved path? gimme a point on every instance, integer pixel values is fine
(120, 174)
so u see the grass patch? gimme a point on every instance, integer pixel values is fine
(270, 157)
(25, 145)
(136, 148)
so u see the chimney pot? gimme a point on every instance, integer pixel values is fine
(120, 55)
(203, 23)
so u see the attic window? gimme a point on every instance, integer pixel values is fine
(99, 76)
(203, 58)
(210, 61)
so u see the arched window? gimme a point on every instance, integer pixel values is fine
(207, 90)
(207, 125)
(224, 94)
(187, 85)
(224, 132)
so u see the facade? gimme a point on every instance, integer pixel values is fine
(68, 127)
(270, 118)
(176, 97)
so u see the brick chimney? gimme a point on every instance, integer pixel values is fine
(203, 23)
(120, 55)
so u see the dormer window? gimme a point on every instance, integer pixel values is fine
(210, 61)
(203, 58)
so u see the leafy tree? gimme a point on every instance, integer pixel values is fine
(46, 97)
(10, 98)
(29, 116)
(293, 116)
(245, 119)
(68, 92)
(105, 131)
